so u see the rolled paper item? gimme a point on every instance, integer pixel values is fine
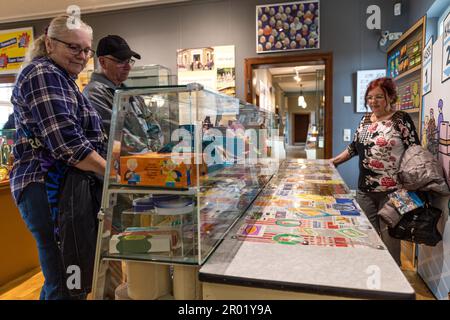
(147, 281)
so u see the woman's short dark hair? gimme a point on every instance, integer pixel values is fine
(387, 85)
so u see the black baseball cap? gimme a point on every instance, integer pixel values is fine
(115, 46)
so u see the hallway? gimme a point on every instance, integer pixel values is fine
(296, 152)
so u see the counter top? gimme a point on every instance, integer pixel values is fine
(4, 184)
(352, 263)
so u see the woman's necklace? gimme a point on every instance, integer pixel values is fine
(374, 118)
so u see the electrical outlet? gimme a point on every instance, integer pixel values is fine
(347, 99)
(347, 134)
(397, 9)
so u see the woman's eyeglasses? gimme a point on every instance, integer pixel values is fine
(378, 97)
(122, 63)
(76, 50)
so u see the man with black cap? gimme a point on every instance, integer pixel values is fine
(142, 132)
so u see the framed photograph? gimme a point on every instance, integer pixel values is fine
(363, 78)
(287, 26)
(446, 49)
(213, 67)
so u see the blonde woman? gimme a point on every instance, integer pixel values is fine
(56, 127)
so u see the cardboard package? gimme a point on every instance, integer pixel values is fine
(159, 170)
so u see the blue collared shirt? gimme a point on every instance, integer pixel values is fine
(49, 105)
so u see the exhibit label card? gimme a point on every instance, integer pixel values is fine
(427, 67)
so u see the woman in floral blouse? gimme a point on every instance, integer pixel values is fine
(380, 140)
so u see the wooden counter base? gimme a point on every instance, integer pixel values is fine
(17, 245)
(217, 291)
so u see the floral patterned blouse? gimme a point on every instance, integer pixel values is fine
(380, 146)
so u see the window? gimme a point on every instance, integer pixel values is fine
(6, 107)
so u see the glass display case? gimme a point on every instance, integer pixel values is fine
(172, 203)
(150, 75)
(312, 142)
(6, 155)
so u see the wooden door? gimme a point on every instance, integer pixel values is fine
(301, 125)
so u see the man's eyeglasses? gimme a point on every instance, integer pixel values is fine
(121, 63)
(76, 50)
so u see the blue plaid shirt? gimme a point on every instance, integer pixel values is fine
(49, 106)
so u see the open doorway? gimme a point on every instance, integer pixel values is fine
(299, 89)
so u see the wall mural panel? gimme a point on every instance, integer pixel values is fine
(434, 262)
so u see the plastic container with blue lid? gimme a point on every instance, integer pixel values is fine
(175, 206)
(143, 205)
(148, 203)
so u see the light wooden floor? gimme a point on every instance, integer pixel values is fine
(29, 285)
(421, 289)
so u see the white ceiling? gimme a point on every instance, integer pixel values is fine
(25, 10)
(301, 69)
(284, 77)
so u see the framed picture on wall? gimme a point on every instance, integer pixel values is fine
(363, 78)
(287, 26)
(212, 67)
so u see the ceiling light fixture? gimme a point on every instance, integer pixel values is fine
(297, 77)
(301, 99)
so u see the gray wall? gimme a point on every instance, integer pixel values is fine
(415, 9)
(157, 32)
(431, 29)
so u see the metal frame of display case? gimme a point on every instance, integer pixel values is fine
(184, 267)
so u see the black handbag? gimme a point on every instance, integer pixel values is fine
(79, 203)
(419, 226)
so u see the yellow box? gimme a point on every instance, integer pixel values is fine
(159, 170)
